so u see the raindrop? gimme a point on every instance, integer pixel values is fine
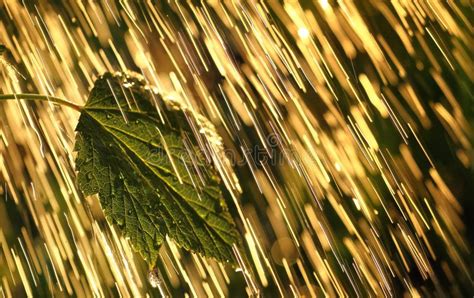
(89, 176)
(129, 212)
(148, 206)
(109, 116)
(137, 122)
(154, 278)
(120, 222)
(219, 207)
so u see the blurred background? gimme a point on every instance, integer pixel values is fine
(349, 125)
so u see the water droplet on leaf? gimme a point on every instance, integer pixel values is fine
(154, 278)
(120, 222)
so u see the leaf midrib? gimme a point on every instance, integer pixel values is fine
(189, 183)
(150, 184)
(206, 224)
(121, 144)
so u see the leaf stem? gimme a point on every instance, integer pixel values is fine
(29, 96)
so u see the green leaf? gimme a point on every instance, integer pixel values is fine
(140, 153)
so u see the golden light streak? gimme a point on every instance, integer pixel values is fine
(349, 105)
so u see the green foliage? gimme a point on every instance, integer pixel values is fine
(138, 152)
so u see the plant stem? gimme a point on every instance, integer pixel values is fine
(28, 96)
